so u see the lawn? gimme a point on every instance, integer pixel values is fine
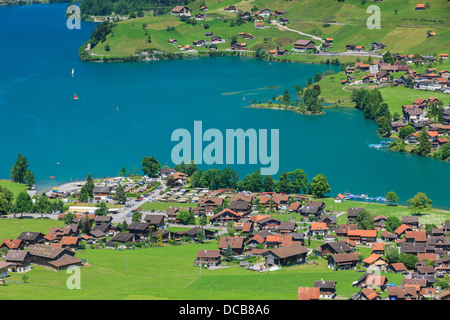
(148, 206)
(12, 228)
(432, 216)
(168, 273)
(16, 188)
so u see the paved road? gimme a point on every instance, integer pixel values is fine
(133, 205)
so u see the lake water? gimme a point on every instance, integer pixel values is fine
(41, 120)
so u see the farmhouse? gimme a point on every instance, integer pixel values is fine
(303, 45)
(18, 261)
(181, 11)
(207, 257)
(293, 254)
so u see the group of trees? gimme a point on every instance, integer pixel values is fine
(20, 172)
(371, 103)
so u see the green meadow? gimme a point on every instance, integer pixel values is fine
(168, 273)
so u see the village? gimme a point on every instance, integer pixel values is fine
(261, 232)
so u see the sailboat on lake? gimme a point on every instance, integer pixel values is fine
(73, 71)
(75, 97)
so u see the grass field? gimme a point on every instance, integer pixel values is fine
(12, 228)
(15, 188)
(402, 32)
(168, 273)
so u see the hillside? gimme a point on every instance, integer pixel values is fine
(403, 29)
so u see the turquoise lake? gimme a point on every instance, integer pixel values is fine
(41, 120)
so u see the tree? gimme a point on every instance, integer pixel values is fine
(160, 239)
(298, 181)
(419, 203)
(408, 260)
(388, 58)
(286, 97)
(228, 253)
(89, 185)
(29, 179)
(123, 172)
(364, 220)
(424, 146)
(23, 203)
(201, 236)
(392, 223)
(102, 209)
(43, 204)
(68, 217)
(84, 194)
(19, 169)
(137, 216)
(150, 166)
(269, 183)
(186, 217)
(319, 186)
(392, 198)
(391, 253)
(120, 195)
(406, 131)
(261, 54)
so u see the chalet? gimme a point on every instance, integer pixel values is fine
(18, 261)
(412, 248)
(231, 9)
(12, 244)
(70, 242)
(388, 236)
(254, 241)
(412, 222)
(343, 261)
(402, 293)
(369, 294)
(327, 289)
(377, 45)
(282, 52)
(350, 47)
(440, 244)
(375, 262)
(209, 205)
(397, 125)
(398, 267)
(241, 206)
(308, 293)
(239, 46)
(287, 227)
(379, 221)
(193, 233)
(362, 66)
(166, 171)
(318, 228)
(121, 239)
(102, 220)
(155, 220)
(180, 177)
(199, 16)
(416, 236)
(259, 25)
(303, 45)
(181, 11)
(352, 213)
(101, 193)
(362, 236)
(30, 238)
(292, 254)
(139, 229)
(359, 49)
(420, 6)
(165, 235)
(312, 207)
(207, 257)
(264, 12)
(401, 230)
(43, 255)
(172, 213)
(283, 21)
(334, 248)
(236, 244)
(198, 43)
(224, 216)
(269, 223)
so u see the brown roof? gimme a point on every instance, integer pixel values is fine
(345, 257)
(289, 251)
(208, 254)
(235, 242)
(308, 293)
